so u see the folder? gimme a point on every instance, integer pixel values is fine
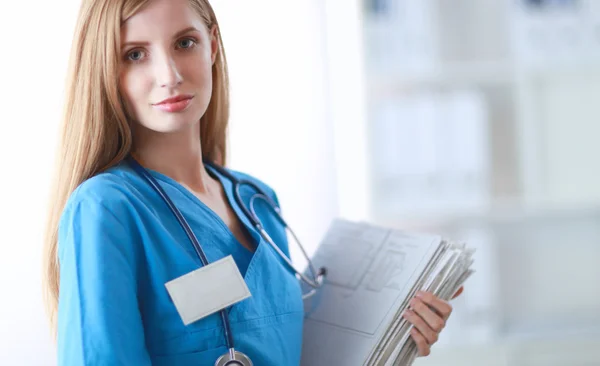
(355, 318)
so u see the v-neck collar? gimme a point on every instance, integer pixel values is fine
(228, 187)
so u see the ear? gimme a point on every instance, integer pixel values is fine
(214, 43)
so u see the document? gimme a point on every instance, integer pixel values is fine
(355, 318)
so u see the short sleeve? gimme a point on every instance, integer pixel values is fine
(99, 321)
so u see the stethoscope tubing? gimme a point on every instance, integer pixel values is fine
(250, 213)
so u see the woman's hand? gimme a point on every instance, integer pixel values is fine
(428, 314)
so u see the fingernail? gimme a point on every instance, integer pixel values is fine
(420, 294)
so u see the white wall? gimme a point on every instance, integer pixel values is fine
(304, 133)
(279, 126)
(35, 38)
(280, 133)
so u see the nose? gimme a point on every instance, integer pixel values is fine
(168, 74)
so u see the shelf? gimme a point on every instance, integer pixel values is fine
(497, 213)
(392, 81)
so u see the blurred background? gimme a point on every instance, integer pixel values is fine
(469, 118)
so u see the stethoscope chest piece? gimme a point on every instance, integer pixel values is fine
(239, 359)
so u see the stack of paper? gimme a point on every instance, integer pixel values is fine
(372, 273)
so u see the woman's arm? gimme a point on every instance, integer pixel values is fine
(99, 322)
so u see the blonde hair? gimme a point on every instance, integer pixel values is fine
(95, 132)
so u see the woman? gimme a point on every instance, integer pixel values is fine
(147, 104)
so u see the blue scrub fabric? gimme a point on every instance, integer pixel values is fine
(119, 244)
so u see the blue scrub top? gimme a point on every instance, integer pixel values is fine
(119, 244)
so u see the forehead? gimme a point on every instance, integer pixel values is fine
(159, 18)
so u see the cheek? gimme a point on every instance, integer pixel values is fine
(199, 71)
(131, 87)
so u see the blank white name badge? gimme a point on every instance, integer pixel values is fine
(207, 290)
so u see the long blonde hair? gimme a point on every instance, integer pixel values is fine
(95, 132)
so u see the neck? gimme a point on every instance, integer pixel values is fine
(177, 155)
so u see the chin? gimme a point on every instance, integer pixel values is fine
(174, 122)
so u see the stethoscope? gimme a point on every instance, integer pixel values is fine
(233, 357)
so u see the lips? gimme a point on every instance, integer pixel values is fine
(175, 99)
(175, 104)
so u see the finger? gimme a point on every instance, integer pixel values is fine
(430, 335)
(435, 321)
(442, 307)
(422, 346)
(460, 291)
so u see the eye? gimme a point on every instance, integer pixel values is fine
(135, 55)
(186, 43)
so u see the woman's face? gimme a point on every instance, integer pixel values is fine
(167, 54)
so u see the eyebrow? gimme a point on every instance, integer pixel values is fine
(178, 34)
